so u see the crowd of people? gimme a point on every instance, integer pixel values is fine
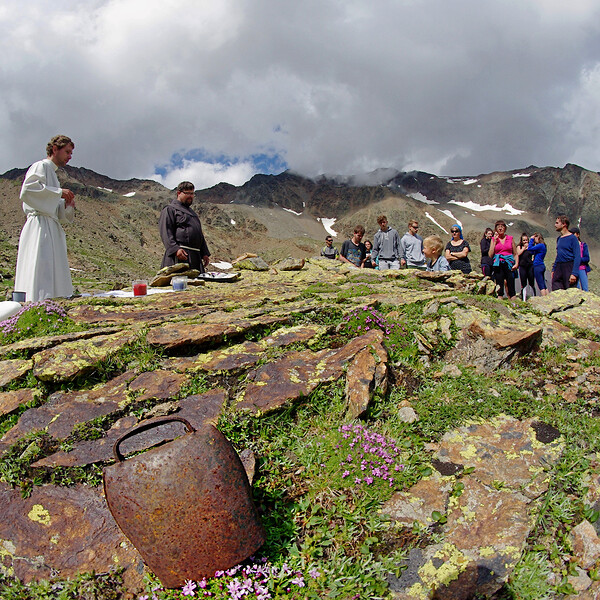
(502, 258)
(43, 269)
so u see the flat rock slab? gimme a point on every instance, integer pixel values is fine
(64, 410)
(505, 452)
(426, 496)
(231, 359)
(31, 345)
(175, 335)
(198, 409)
(129, 313)
(13, 370)
(157, 384)
(71, 359)
(573, 307)
(244, 355)
(558, 301)
(299, 373)
(486, 344)
(488, 521)
(62, 531)
(10, 401)
(89, 451)
(292, 335)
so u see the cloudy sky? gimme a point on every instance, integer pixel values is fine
(217, 90)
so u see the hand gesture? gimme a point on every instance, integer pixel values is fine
(69, 197)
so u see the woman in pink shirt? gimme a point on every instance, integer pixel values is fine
(504, 252)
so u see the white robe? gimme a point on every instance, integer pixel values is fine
(42, 265)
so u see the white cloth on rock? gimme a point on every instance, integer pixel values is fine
(42, 264)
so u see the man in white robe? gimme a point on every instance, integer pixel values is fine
(42, 265)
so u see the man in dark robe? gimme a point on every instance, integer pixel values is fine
(181, 231)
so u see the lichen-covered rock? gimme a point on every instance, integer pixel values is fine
(72, 359)
(487, 345)
(488, 518)
(298, 373)
(65, 410)
(362, 379)
(252, 264)
(12, 370)
(290, 264)
(66, 530)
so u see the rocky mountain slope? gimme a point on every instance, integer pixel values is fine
(115, 237)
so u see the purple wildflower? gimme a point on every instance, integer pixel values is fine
(188, 588)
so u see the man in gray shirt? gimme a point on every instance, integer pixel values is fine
(386, 246)
(411, 248)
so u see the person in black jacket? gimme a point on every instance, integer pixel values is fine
(525, 265)
(484, 244)
(181, 231)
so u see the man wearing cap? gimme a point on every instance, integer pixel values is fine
(181, 231)
(42, 264)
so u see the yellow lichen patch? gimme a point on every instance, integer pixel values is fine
(486, 551)
(260, 383)
(469, 515)
(500, 420)
(511, 455)
(7, 555)
(39, 514)
(454, 564)
(321, 366)
(512, 551)
(455, 438)
(55, 539)
(535, 470)
(294, 377)
(417, 591)
(127, 400)
(469, 452)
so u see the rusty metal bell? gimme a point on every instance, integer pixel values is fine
(186, 505)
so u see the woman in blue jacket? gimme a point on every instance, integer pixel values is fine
(584, 266)
(538, 249)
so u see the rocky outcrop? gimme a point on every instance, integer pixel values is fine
(262, 345)
(487, 476)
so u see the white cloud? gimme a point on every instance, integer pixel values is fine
(332, 87)
(204, 174)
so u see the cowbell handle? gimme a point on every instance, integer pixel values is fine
(143, 427)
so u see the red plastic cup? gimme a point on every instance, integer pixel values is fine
(140, 287)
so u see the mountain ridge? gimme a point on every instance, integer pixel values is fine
(116, 236)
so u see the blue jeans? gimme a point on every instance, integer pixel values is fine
(582, 283)
(540, 278)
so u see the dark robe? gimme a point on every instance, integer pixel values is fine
(179, 228)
